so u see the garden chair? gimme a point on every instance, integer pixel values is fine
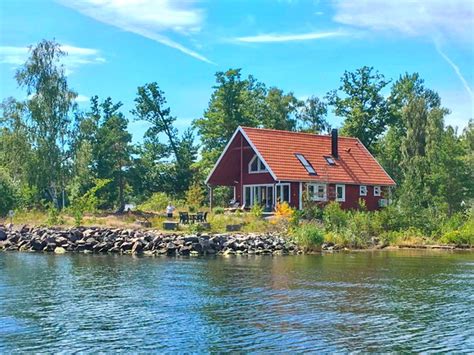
(184, 217)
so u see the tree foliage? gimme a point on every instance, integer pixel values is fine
(360, 101)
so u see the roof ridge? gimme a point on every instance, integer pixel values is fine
(295, 132)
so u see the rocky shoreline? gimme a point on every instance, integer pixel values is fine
(145, 242)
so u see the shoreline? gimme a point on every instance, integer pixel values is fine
(60, 240)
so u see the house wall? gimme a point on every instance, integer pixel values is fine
(352, 196)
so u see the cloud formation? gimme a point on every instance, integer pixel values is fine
(436, 20)
(147, 18)
(451, 18)
(76, 56)
(275, 37)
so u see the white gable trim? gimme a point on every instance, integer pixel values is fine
(240, 129)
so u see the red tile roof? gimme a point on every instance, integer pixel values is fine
(355, 164)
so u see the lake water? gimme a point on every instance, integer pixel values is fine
(369, 301)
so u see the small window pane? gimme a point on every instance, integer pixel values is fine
(309, 168)
(330, 160)
(363, 190)
(340, 192)
(254, 165)
(377, 191)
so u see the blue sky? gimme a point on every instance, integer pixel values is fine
(300, 46)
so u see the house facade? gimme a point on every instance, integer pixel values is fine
(266, 166)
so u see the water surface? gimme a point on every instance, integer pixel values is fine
(369, 301)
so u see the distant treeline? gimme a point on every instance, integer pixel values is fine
(52, 153)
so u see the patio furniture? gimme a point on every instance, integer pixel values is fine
(184, 217)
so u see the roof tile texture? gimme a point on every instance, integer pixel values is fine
(355, 164)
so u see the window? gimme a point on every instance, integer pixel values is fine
(377, 191)
(283, 193)
(248, 196)
(257, 166)
(258, 195)
(340, 193)
(309, 168)
(317, 192)
(330, 160)
(363, 190)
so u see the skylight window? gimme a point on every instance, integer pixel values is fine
(309, 168)
(330, 160)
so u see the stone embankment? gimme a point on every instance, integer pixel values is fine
(128, 241)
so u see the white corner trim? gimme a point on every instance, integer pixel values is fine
(301, 196)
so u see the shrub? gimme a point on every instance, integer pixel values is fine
(157, 202)
(195, 195)
(54, 215)
(312, 211)
(464, 235)
(87, 202)
(309, 235)
(218, 210)
(257, 210)
(283, 210)
(7, 193)
(335, 219)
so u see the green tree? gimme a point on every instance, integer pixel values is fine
(49, 106)
(7, 193)
(234, 102)
(111, 151)
(279, 110)
(359, 100)
(312, 115)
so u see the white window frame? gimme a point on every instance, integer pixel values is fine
(252, 190)
(343, 198)
(315, 196)
(260, 163)
(361, 192)
(281, 190)
(377, 190)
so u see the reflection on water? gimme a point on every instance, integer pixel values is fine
(371, 301)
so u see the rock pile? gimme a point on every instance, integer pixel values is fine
(129, 241)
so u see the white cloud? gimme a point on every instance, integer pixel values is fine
(147, 18)
(453, 18)
(456, 70)
(76, 56)
(275, 37)
(436, 20)
(82, 98)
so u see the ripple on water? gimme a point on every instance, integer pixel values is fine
(407, 302)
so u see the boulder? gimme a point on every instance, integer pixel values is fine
(3, 235)
(59, 250)
(137, 247)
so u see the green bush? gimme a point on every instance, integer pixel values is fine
(54, 215)
(312, 212)
(157, 202)
(335, 219)
(308, 235)
(464, 235)
(257, 210)
(7, 194)
(218, 210)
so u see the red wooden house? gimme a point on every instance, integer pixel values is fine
(265, 166)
